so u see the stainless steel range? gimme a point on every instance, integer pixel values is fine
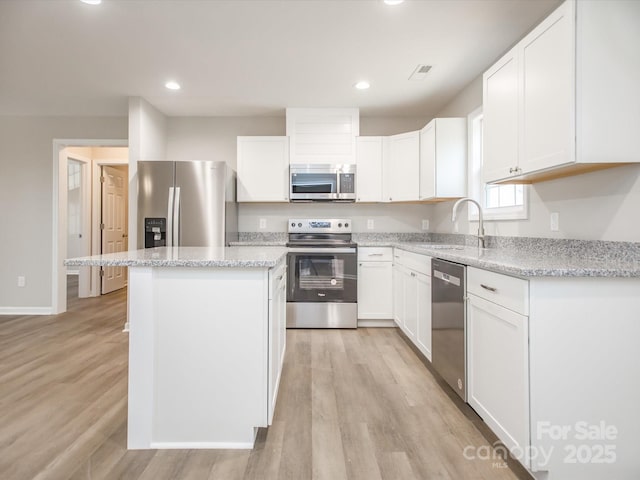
(322, 274)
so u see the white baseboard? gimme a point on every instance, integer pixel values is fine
(376, 323)
(26, 311)
(200, 445)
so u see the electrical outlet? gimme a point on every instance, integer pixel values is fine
(370, 224)
(22, 281)
(554, 221)
(455, 227)
(263, 223)
(425, 224)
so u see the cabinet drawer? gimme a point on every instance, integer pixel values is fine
(510, 292)
(375, 254)
(413, 261)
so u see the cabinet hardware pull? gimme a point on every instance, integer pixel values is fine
(491, 289)
(375, 254)
(413, 274)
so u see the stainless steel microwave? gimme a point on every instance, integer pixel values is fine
(322, 182)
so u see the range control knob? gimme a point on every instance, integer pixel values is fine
(293, 224)
(339, 225)
(300, 225)
(346, 225)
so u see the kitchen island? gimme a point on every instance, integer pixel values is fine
(206, 343)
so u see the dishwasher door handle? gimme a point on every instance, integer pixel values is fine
(486, 287)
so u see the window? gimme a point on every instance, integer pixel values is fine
(499, 202)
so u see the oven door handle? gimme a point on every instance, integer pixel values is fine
(313, 250)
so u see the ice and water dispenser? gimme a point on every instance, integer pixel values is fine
(155, 232)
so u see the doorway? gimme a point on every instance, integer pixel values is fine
(93, 156)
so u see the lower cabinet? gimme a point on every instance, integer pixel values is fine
(277, 332)
(498, 356)
(375, 298)
(412, 298)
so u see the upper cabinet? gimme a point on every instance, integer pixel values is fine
(403, 167)
(369, 158)
(323, 135)
(263, 169)
(565, 100)
(443, 159)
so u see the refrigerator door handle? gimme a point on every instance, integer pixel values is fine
(170, 217)
(176, 218)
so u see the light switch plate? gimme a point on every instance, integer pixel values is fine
(425, 224)
(554, 221)
(370, 224)
(263, 223)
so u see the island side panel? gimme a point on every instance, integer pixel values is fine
(141, 358)
(210, 357)
(584, 371)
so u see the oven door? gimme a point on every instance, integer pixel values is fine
(322, 275)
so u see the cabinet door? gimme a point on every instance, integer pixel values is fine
(547, 63)
(263, 169)
(277, 338)
(398, 295)
(428, 161)
(498, 369)
(369, 169)
(424, 314)
(375, 299)
(410, 321)
(404, 157)
(500, 119)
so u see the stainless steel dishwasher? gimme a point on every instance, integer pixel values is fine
(448, 323)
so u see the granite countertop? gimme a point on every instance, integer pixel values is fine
(535, 262)
(226, 257)
(259, 243)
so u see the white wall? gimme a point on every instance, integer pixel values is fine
(147, 141)
(26, 210)
(594, 206)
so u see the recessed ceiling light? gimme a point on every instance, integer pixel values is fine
(171, 85)
(362, 85)
(92, 2)
(393, 2)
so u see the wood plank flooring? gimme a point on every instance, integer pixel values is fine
(353, 404)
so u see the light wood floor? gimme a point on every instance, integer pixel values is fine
(353, 404)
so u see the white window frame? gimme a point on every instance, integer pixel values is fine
(476, 187)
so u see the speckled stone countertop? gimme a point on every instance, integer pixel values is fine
(225, 257)
(525, 263)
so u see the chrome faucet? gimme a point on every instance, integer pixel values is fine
(480, 223)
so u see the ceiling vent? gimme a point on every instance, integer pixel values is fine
(420, 73)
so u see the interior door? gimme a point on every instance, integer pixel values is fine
(114, 224)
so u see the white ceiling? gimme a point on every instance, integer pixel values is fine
(249, 57)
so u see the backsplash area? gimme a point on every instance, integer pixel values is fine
(382, 217)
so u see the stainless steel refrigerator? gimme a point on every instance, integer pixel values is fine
(189, 204)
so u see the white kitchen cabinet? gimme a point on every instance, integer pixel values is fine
(564, 100)
(500, 118)
(423, 334)
(533, 358)
(263, 169)
(277, 332)
(369, 158)
(402, 171)
(498, 354)
(375, 278)
(443, 159)
(412, 297)
(322, 135)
